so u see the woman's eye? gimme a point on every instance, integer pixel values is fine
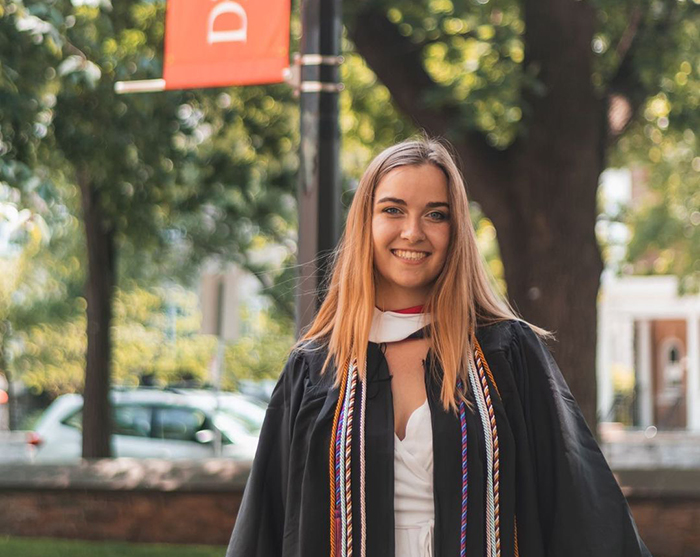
(392, 211)
(437, 215)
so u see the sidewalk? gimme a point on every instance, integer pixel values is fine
(649, 449)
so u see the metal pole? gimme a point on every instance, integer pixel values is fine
(220, 356)
(319, 176)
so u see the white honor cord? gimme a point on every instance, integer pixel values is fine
(490, 504)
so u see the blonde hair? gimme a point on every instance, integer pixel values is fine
(462, 295)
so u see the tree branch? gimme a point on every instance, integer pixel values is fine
(398, 63)
(269, 290)
(626, 92)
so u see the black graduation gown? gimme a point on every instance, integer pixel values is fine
(553, 476)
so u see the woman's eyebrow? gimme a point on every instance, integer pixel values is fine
(392, 200)
(431, 204)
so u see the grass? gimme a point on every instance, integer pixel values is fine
(38, 547)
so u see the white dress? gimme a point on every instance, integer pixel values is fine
(414, 511)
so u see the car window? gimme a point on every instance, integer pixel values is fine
(75, 420)
(179, 423)
(132, 420)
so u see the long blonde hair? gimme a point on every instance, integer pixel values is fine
(462, 295)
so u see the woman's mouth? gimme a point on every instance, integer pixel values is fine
(409, 255)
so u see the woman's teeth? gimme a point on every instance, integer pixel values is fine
(412, 255)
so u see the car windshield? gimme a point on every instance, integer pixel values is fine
(248, 415)
(233, 427)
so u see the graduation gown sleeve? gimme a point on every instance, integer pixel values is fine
(260, 521)
(582, 509)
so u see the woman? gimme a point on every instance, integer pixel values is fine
(419, 416)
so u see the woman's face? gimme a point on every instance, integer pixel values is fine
(410, 233)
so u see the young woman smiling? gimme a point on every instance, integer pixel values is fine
(418, 415)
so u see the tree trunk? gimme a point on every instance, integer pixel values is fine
(552, 266)
(99, 293)
(540, 193)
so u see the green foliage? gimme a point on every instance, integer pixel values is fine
(30, 50)
(156, 336)
(262, 353)
(369, 121)
(473, 51)
(156, 341)
(212, 167)
(666, 221)
(664, 147)
(179, 176)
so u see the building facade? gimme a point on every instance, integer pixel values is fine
(648, 360)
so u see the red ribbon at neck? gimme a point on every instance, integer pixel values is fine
(414, 309)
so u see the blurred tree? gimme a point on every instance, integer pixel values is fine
(665, 215)
(534, 94)
(21, 236)
(172, 178)
(156, 341)
(30, 50)
(261, 352)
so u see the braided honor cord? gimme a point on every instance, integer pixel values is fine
(334, 465)
(483, 414)
(465, 482)
(496, 454)
(363, 505)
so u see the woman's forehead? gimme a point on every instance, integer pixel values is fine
(419, 183)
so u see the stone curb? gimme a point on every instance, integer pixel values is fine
(128, 474)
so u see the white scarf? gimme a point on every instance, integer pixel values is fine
(390, 326)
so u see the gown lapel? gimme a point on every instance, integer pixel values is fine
(379, 457)
(447, 471)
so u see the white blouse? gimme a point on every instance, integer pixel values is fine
(414, 511)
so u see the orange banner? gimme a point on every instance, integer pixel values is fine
(214, 43)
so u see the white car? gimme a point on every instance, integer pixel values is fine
(153, 423)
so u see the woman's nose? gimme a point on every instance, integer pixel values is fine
(412, 231)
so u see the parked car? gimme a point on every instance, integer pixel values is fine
(260, 389)
(155, 423)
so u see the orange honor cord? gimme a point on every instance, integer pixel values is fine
(477, 347)
(332, 461)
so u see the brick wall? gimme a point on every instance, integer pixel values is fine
(123, 499)
(670, 526)
(137, 516)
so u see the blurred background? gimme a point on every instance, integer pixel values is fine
(163, 227)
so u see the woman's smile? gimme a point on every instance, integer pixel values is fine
(410, 256)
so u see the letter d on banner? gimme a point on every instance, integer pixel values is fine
(215, 43)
